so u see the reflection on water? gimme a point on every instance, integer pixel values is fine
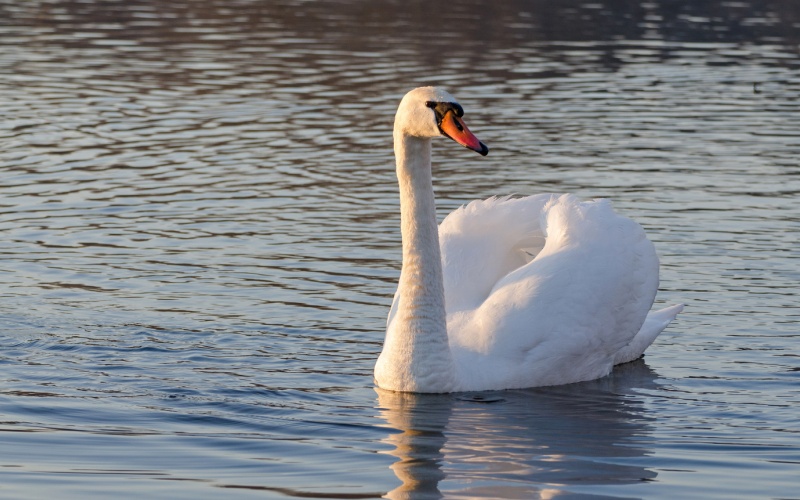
(422, 421)
(200, 241)
(471, 445)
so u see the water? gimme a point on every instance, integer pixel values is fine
(200, 240)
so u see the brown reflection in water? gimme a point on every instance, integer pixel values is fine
(257, 31)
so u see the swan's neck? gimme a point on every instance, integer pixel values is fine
(418, 334)
(421, 277)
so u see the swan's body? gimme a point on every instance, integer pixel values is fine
(509, 292)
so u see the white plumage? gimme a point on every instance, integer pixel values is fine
(509, 292)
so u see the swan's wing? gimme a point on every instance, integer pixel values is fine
(393, 310)
(484, 241)
(564, 315)
(654, 324)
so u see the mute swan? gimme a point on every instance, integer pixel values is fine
(508, 292)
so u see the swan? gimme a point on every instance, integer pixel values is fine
(507, 292)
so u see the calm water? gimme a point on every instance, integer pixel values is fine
(200, 241)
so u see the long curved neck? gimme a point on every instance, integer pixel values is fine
(418, 334)
(423, 308)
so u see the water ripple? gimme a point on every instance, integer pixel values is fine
(200, 244)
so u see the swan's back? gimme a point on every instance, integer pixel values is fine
(544, 290)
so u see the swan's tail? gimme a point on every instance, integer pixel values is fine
(656, 322)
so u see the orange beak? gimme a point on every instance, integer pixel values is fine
(454, 127)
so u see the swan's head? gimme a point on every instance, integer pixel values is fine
(433, 112)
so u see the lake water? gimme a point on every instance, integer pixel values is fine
(200, 243)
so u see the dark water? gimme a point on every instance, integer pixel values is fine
(200, 240)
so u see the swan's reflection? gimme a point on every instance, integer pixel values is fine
(535, 443)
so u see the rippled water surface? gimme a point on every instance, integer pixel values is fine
(200, 241)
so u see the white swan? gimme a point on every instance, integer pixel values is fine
(508, 292)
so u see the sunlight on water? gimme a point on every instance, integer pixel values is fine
(201, 241)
